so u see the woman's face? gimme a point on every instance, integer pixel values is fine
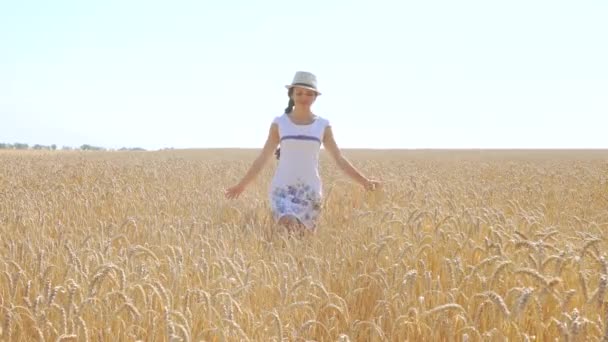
(303, 97)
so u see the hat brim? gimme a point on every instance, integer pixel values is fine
(303, 86)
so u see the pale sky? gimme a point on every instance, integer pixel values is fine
(394, 74)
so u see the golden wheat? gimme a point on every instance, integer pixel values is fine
(463, 245)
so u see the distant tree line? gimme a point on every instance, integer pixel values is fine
(53, 147)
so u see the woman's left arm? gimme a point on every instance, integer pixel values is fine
(343, 163)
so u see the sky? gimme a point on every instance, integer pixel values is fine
(393, 73)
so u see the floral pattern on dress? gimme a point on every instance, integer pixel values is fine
(298, 199)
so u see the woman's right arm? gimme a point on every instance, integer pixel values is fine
(272, 141)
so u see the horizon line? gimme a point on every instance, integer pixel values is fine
(141, 149)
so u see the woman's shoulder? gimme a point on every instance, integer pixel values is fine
(323, 120)
(282, 118)
(279, 118)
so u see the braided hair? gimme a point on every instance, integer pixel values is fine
(288, 110)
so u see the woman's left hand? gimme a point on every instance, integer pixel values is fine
(371, 184)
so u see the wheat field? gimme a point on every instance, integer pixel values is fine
(457, 246)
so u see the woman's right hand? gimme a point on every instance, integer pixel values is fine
(234, 191)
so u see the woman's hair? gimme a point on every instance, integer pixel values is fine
(288, 110)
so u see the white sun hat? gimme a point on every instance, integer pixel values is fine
(304, 79)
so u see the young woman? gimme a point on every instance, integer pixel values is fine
(296, 189)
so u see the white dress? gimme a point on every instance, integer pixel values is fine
(296, 187)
